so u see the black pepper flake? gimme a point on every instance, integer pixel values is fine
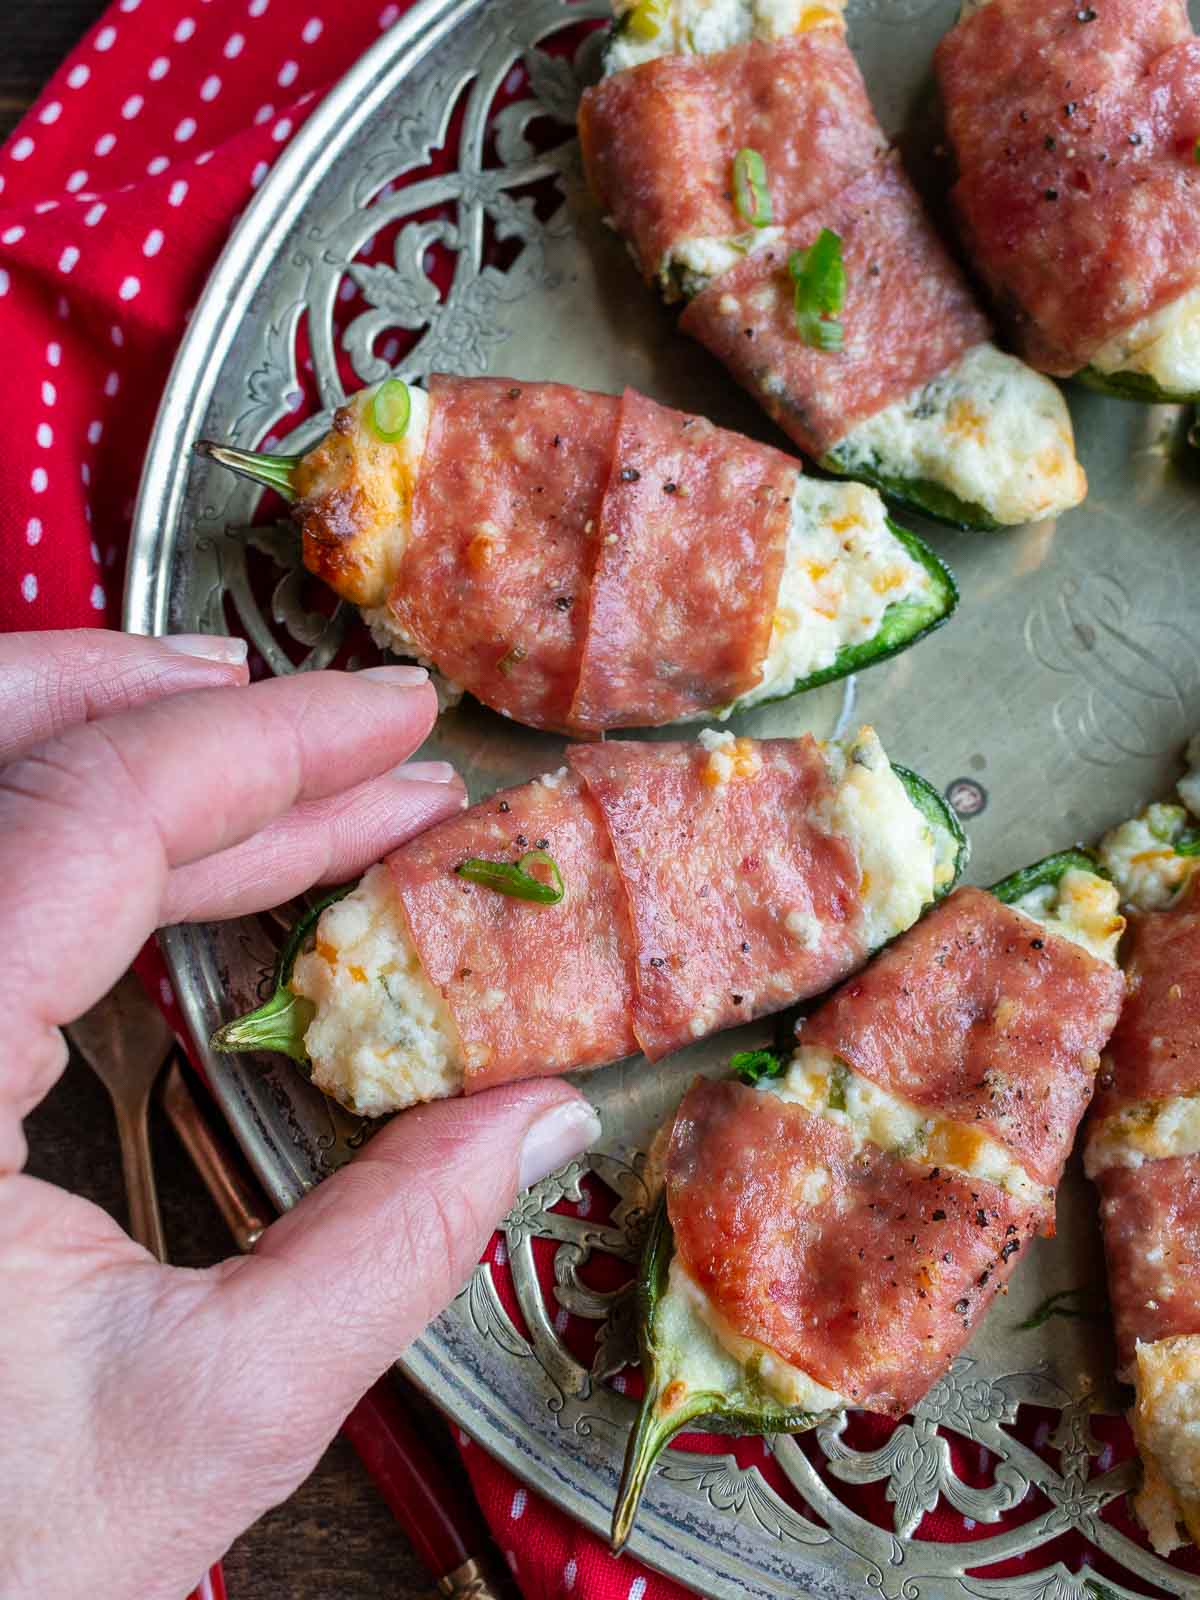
(1087, 14)
(541, 844)
(1037, 944)
(464, 974)
(503, 806)
(1135, 138)
(557, 440)
(1071, 107)
(737, 998)
(629, 474)
(749, 332)
(946, 1255)
(670, 488)
(936, 1172)
(521, 842)
(981, 1219)
(564, 602)
(984, 1276)
(657, 961)
(1010, 1249)
(1051, 142)
(962, 1306)
(745, 946)
(514, 394)
(1012, 1228)
(939, 1216)
(1050, 194)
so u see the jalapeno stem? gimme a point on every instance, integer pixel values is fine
(273, 472)
(280, 1024)
(652, 1433)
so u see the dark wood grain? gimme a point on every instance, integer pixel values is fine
(34, 37)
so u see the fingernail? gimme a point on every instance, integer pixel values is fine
(401, 677)
(425, 772)
(554, 1139)
(208, 647)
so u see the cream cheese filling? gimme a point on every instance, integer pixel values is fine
(647, 29)
(993, 431)
(1166, 1425)
(1164, 347)
(1081, 907)
(1140, 854)
(1149, 1130)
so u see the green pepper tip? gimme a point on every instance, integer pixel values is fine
(272, 472)
(279, 1024)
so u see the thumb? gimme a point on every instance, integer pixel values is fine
(342, 1284)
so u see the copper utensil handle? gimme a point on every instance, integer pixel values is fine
(235, 1198)
(145, 1219)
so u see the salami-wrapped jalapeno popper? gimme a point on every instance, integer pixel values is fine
(832, 1228)
(640, 898)
(734, 147)
(1075, 129)
(1143, 1152)
(584, 562)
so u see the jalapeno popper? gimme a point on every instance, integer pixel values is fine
(583, 562)
(832, 1228)
(643, 896)
(734, 147)
(1075, 128)
(1143, 1152)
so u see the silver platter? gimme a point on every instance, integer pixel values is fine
(1055, 703)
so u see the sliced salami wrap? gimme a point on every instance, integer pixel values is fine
(741, 899)
(493, 584)
(908, 314)
(692, 535)
(1078, 188)
(532, 989)
(983, 1015)
(1151, 1220)
(659, 140)
(864, 1270)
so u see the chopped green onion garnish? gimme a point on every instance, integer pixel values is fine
(820, 279)
(516, 879)
(390, 410)
(750, 193)
(752, 1066)
(839, 1078)
(1188, 843)
(645, 20)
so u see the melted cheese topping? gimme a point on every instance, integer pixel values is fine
(1140, 854)
(1165, 347)
(843, 570)
(382, 1038)
(828, 1087)
(1081, 907)
(1166, 1425)
(990, 429)
(1151, 1130)
(647, 29)
(719, 1360)
(359, 489)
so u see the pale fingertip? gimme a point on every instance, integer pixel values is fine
(425, 772)
(557, 1136)
(400, 677)
(219, 647)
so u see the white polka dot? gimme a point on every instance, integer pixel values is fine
(257, 7)
(64, 307)
(159, 164)
(153, 242)
(159, 68)
(39, 480)
(1, 183)
(618, 1383)
(69, 258)
(130, 287)
(264, 114)
(94, 213)
(130, 5)
(23, 149)
(87, 515)
(29, 587)
(260, 171)
(501, 1255)
(132, 106)
(111, 384)
(78, 76)
(50, 113)
(99, 600)
(43, 206)
(49, 392)
(185, 129)
(388, 15)
(104, 143)
(184, 31)
(281, 130)
(54, 353)
(178, 193)
(211, 87)
(637, 1589)
(519, 1501)
(312, 30)
(117, 335)
(570, 1573)
(346, 289)
(76, 181)
(236, 42)
(204, 158)
(33, 530)
(94, 432)
(45, 435)
(5, 281)
(12, 235)
(95, 549)
(85, 472)
(106, 38)
(287, 73)
(166, 993)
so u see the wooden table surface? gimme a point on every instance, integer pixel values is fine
(335, 1539)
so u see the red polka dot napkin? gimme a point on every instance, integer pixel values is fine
(117, 193)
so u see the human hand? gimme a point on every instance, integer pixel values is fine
(151, 1414)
